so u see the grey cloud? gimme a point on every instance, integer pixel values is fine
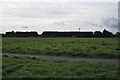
(41, 10)
(59, 23)
(93, 24)
(25, 27)
(57, 12)
(111, 22)
(52, 15)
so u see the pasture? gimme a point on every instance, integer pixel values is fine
(26, 67)
(32, 67)
(83, 47)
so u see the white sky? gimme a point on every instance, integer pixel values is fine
(62, 15)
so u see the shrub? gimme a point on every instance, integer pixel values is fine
(33, 58)
(87, 50)
(28, 48)
(16, 57)
(92, 47)
(5, 55)
(17, 47)
(117, 49)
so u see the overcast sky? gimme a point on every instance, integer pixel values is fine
(42, 15)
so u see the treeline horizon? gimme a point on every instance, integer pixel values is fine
(105, 33)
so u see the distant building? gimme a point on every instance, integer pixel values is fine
(10, 34)
(21, 34)
(66, 34)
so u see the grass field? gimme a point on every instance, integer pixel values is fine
(25, 67)
(85, 47)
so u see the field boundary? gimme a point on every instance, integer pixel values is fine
(51, 57)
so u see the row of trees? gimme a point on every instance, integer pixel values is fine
(105, 33)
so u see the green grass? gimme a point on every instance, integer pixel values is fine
(86, 47)
(24, 67)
